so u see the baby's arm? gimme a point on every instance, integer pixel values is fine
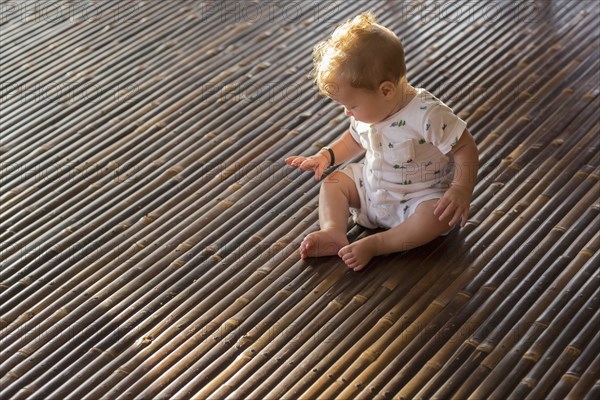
(457, 199)
(345, 148)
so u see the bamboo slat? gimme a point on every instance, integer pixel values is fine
(488, 294)
(503, 324)
(149, 229)
(585, 385)
(494, 348)
(568, 297)
(532, 355)
(568, 356)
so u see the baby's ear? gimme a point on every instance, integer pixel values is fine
(387, 88)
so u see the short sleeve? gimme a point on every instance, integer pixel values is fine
(442, 128)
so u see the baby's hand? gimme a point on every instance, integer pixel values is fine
(455, 203)
(318, 163)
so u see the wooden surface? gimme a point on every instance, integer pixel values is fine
(150, 229)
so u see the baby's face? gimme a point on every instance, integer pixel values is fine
(368, 106)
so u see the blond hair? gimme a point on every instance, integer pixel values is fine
(361, 53)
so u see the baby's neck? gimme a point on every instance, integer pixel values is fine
(405, 94)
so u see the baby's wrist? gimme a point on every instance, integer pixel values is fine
(461, 186)
(328, 155)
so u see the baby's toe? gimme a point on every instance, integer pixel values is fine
(350, 260)
(358, 266)
(305, 247)
(345, 251)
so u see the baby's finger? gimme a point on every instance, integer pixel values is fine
(465, 217)
(295, 161)
(457, 215)
(440, 207)
(318, 173)
(290, 161)
(308, 164)
(448, 212)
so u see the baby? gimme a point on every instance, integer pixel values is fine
(420, 167)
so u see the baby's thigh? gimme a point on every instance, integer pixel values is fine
(342, 182)
(427, 206)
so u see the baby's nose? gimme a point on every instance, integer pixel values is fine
(347, 112)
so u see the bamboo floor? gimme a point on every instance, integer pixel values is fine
(150, 228)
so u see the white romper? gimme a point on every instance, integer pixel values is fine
(406, 162)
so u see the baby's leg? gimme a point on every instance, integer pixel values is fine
(338, 193)
(420, 228)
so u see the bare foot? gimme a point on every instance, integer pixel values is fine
(358, 254)
(322, 243)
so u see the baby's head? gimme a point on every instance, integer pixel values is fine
(361, 54)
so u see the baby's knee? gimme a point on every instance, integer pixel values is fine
(342, 183)
(339, 181)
